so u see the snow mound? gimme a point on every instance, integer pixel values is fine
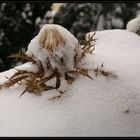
(99, 107)
(133, 25)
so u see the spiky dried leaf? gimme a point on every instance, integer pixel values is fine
(89, 45)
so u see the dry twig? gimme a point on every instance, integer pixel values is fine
(101, 70)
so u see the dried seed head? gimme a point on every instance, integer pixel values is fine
(50, 38)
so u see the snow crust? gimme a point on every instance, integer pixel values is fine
(99, 107)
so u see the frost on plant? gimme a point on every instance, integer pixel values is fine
(57, 54)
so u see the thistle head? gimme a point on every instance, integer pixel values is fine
(50, 37)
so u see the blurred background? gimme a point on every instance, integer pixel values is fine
(20, 22)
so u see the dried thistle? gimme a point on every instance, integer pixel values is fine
(51, 38)
(36, 82)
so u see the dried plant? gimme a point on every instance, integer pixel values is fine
(89, 45)
(51, 38)
(23, 56)
(102, 71)
(80, 71)
(36, 82)
(57, 97)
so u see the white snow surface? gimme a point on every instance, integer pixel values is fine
(99, 107)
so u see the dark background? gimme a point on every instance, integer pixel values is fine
(20, 22)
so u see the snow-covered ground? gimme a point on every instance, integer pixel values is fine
(99, 107)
